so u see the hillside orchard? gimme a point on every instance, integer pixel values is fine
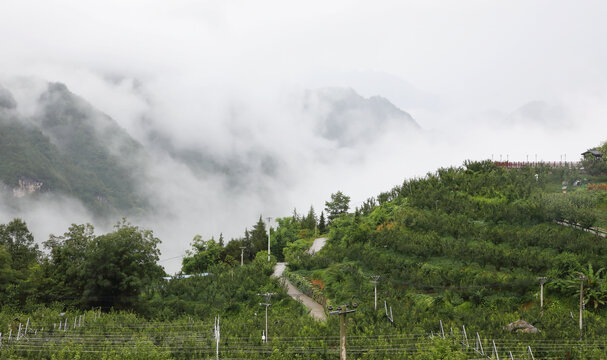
(460, 249)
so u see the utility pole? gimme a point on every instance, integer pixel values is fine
(269, 220)
(582, 278)
(542, 282)
(267, 296)
(342, 311)
(374, 282)
(242, 255)
(217, 335)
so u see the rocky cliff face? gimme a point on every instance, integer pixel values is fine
(26, 187)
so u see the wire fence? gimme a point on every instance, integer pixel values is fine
(194, 339)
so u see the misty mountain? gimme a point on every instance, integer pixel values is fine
(70, 148)
(75, 126)
(346, 117)
(401, 93)
(7, 101)
(540, 113)
(339, 115)
(236, 169)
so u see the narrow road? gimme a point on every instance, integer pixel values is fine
(316, 310)
(317, 245)
(597, 231)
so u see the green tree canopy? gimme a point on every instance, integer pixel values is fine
(338, 205)
(204, 254)
(6, 269)
(66, 265)
(122, 263)
(322, 225)
(309, 221)
(286, 232)
(259, 236)
(109, 270)
(19, 243)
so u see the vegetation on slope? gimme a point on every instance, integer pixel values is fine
(71, 149)
(462, 247)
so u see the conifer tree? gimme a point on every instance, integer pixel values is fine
(309, 221)
(322, 226)
(259, 236)
(338, 205)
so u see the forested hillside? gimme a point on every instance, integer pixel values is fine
(69, 148)
(460, 249)
(466, 240)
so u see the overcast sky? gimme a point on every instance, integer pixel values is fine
(481, 78)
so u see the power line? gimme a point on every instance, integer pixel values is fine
(172, 258)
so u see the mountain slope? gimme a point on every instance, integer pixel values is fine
(348, 118)
(464, 241)
(70, 148)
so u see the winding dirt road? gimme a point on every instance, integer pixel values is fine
(316, 310)
(317, 245)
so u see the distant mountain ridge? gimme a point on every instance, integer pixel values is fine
(348, 118)
(540, 113)
(340, 115)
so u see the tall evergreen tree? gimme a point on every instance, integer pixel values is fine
(296, 216)
(309, 221)
(259, 236)
(249, 252)
(322, 226)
